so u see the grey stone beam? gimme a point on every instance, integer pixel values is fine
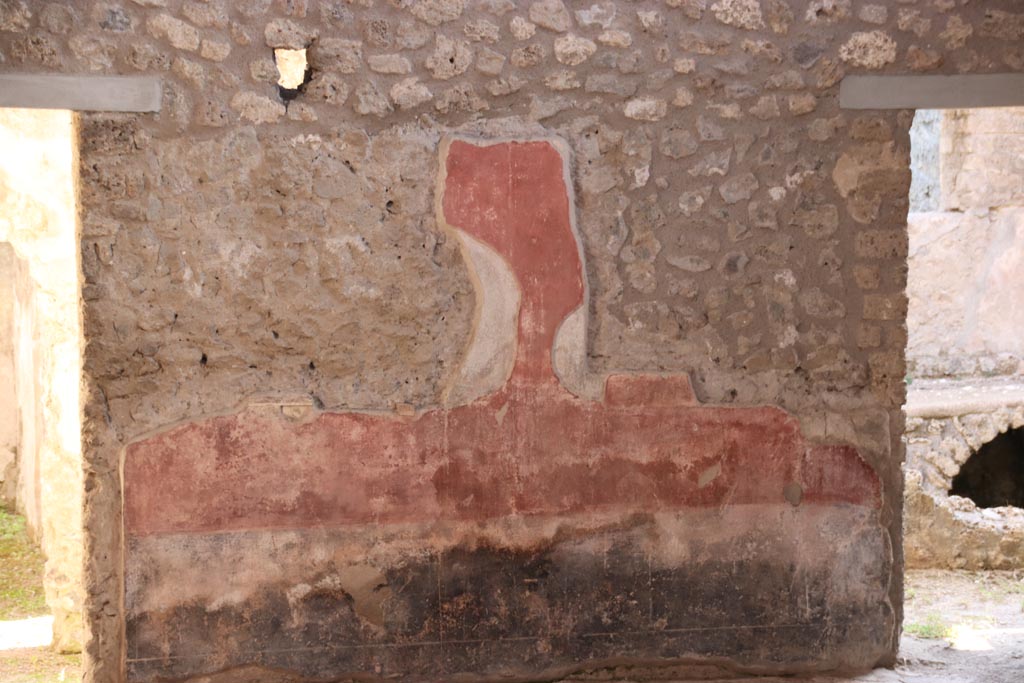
(81, 93)
(932, 92)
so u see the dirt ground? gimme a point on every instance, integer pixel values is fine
(21, 597)
(39, 665)
(21, 571)
(959, 627)
(963, 627)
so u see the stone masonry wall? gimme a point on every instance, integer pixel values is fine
(241, 254)
(947, 531)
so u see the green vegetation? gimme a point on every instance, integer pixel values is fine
(999, 586)
(21, 596)
(40, 665)
(933, 627)
(21, 571)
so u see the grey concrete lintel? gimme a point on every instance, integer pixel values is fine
(81, 92)
(932, 92)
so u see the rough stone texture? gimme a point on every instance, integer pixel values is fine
(551, 14)
(742, 13)
(450, 58)
(870, 49)
(296, 260)
(37, 223)
(573, 50)
(643, 448)
(948, 422)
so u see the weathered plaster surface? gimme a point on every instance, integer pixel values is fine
(966, 275)
(8, 395)
(983, 159)
(736, 225)
(925, 165)
(530, 450)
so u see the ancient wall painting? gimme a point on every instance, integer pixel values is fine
(538, 518)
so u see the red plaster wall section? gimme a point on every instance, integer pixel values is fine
(531, 448)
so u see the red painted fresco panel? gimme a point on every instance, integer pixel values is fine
(531, 448)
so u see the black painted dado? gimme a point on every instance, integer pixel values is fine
(498, 612)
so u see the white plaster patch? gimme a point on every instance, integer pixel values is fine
(488, 361)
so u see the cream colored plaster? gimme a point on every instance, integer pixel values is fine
(38, 218)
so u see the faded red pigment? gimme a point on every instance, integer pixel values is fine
(531, 448)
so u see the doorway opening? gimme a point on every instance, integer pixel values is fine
(41, 540)
(964, 469)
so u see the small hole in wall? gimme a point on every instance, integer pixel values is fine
(294, 72)
(994, 475)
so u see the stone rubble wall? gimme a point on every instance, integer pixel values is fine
(735, 223)
(947, 531)
(38, 219)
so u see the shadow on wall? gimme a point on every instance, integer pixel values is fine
(40, 350)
